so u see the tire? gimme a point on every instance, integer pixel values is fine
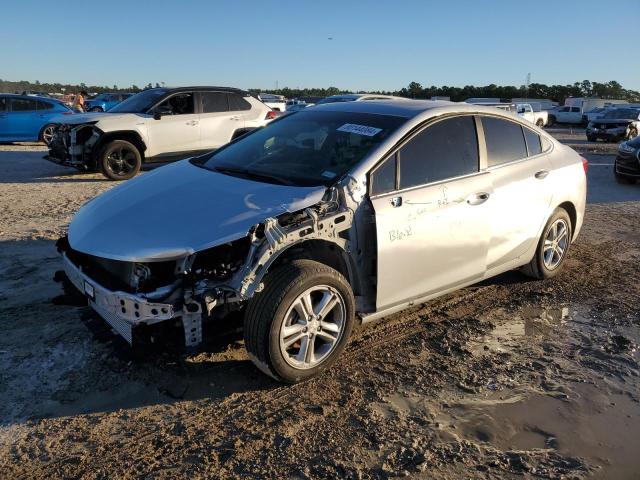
(591, 138)
(540, 267)
(95, 109)
(273, 310)
(551, 120)
(46, 134)
(540, 123)
(633, 133)
(119, 160)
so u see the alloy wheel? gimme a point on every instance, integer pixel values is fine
(312, 327)
(556, 242)
(121, 161)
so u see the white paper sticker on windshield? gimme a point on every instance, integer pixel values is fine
(359, 129)
(328, 174)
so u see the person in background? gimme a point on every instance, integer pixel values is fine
(78, 102)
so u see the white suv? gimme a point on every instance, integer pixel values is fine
(159, 124)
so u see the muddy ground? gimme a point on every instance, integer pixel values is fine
(509, 378)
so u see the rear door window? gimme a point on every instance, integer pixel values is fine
(447, 149)
(22, 105)
(504, 139)
(213, 102)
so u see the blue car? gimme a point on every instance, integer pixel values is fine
(105, 101)
(25, 118)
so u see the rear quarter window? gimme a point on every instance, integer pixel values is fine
(237, 103)
(504, 139)
(534, 145)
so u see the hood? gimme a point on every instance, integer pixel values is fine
(177, 210)
(94, 117)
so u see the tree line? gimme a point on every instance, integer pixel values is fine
(558, 93)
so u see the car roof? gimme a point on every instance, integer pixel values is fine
(402, 108)
(30, 97)
(203, 88)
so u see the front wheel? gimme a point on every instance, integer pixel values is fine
(633, 133)
(119, 160)
(300, 323)
(540, 123)
(552, 247)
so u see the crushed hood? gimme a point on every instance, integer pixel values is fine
(177, 210)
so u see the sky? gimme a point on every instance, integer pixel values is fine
(353, 45)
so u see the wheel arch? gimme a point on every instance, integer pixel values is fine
(570, 208)
(327, 252)
(130, 136)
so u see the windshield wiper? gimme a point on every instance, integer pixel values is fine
(246, 173)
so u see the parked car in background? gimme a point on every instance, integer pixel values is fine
(506, 107)
(342, 213)
(356, 97)
(275, 102)
(526, 111)
(26, 118)
(105, 101)
(575, 109)
(296, 107)
(626, 167)
(614, 125)
(158, 124)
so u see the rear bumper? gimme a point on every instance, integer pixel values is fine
(123, 311)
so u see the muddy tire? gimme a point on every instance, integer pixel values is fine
(633, 133)
(553, 247)
(280, 340)
(119, 160)
(540, 123)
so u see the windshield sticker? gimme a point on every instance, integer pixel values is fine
(359, 129)
(328, 174)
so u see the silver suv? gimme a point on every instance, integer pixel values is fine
(156, 125)
(338, 214)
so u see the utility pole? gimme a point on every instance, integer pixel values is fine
(527, 84)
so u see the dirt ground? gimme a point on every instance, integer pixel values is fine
(508, 378)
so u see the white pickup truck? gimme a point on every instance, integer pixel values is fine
(528, 112)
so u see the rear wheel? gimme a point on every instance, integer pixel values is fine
(540, 123)
(46, 134)
(551, 120)
(300, 323)
(552, 247)
(119, 160)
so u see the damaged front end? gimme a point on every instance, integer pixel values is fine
(73, 145)
(206, 285)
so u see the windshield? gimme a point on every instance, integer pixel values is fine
(626, 113)
(140, 102)
(307, 148)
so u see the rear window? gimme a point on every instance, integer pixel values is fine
(504, 139)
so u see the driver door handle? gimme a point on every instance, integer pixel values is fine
(541, 174)
(477, 198)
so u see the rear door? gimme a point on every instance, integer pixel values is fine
(4, 118)
(217, 123)
(23, 119)
(176, 133)
(431, 211)
(522, 193)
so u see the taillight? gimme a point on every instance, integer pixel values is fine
(67, 113)
(270, 115)
(585, 164)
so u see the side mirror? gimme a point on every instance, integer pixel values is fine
(161, 112)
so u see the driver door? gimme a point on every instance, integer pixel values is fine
(177, 131)
(432, 222)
